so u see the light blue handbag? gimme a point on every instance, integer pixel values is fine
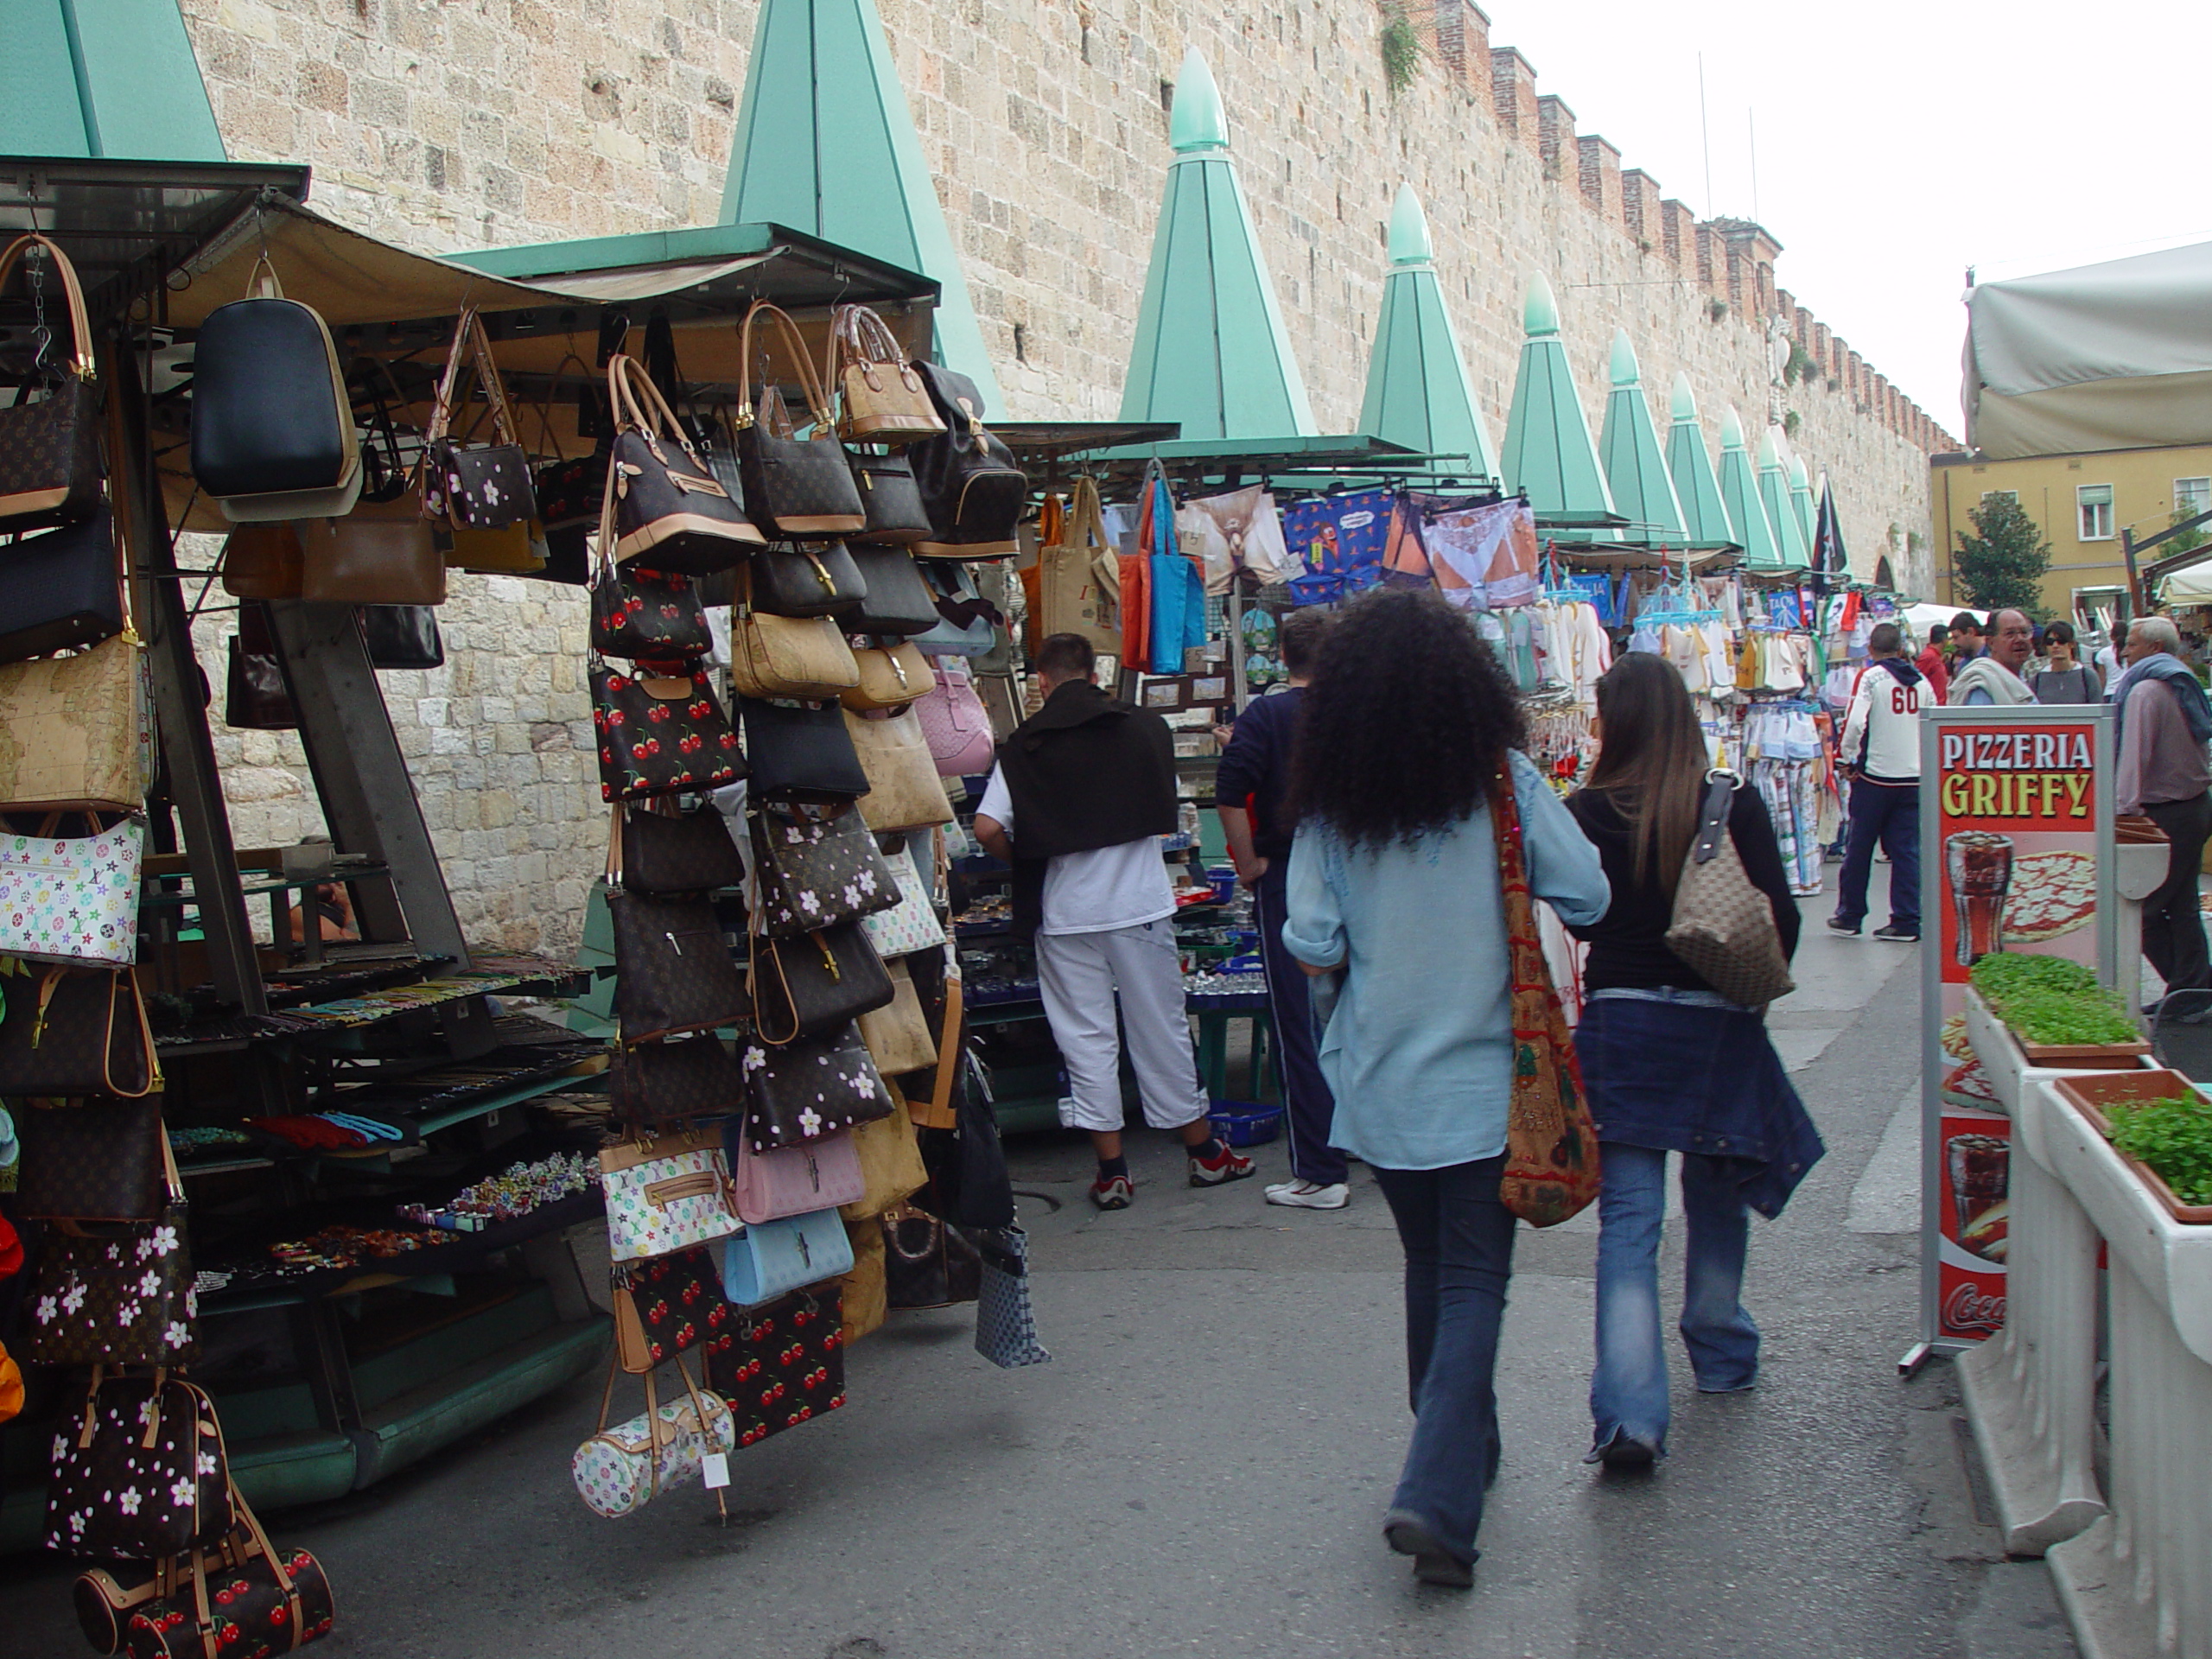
(775, 1257)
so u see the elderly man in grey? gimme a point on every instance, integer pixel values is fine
(2164, 721)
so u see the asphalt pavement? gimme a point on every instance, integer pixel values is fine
(1204, 1466)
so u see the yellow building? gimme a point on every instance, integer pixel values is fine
(2081, 503)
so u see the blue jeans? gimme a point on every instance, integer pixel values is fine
(1458, 1244)
(1628, 1391)
(1889, 813)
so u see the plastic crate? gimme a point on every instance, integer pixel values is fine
(1245, 1122)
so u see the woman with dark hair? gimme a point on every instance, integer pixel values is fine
(1409, 731)
(1670, 1066)
(2065, 677)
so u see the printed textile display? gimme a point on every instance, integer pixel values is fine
(1336, 544)
(1486, 558)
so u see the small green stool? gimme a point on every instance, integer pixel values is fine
(1213, 1015)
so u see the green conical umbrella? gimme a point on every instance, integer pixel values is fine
(1704, 516)
(1211, 348)
(1636, 471)
(115, 78)
(1548, 455)
(1774, 496)
(1739, 492)
(1418, 393)
(825, 144)
(1801, 499)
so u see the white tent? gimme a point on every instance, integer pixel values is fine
(1925, 617)
(2189, 587)
(2115, 356)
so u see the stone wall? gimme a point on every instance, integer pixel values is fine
(452, 124)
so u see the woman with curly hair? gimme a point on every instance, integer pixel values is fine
(1410, 726)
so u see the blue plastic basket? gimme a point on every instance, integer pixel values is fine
(1245, 1122)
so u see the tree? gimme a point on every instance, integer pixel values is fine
(2001, 566)
(2182, 541)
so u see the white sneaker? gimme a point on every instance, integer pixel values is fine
(1310, 1195)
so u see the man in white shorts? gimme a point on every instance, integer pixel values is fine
(1082, 793)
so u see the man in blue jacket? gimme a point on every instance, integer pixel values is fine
(1250, 787)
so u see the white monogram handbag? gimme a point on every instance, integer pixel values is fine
(72, 900)
(912, 924)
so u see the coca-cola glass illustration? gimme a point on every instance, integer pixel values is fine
(1981, 869)
(1980, 1168)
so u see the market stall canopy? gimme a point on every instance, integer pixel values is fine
(102, 78)
(2111, 356)
(1210, 349)
(1636, 471)
(1689, 463)
(2192, 586)
(1548, 456)
(1418, 393)
(1774, 496)
(1739, 492)
(825, 142)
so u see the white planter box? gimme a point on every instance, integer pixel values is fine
(2006, 1066)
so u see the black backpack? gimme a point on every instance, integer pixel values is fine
(972, 489)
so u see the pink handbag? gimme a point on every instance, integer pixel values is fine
(955, 722)
(794, 1181)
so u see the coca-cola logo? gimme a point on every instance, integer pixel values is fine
(1969, 1307)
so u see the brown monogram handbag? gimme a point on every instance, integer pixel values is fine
(70, 1032)
(884, 400)
(50, 450)
(90, 1161)
(794, 488)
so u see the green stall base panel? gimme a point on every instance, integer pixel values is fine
(412, 1426)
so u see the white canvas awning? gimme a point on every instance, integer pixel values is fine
(2114, 356)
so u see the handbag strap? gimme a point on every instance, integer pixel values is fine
(245, 1517)
(543, 406)
(936, 1113)
(469, 340)
(1720, 787)
(795, 346)
(81, 327)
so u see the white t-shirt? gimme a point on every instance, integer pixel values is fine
(1089, 893)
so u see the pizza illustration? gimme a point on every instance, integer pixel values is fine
(2052, 894)
(1957, 1044)
(1967, 1086)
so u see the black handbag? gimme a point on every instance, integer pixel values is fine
(899, 601)
(815, 871)
(670, 853)
(97, 1160)
(139, 1472)
(815, 1086)
(804, 580)
(674, 972)
(255, 698)
(660, 735)
(59, 591)
(890, 497)
(651, 1084)
(641, 614)
(972, 489)
(76, 1032)
(662, 502)
(800, 753)
(50, 450)
(814, 983)
(474, 485)
(794, 488)
(402, 636)
(926, 1261)
(272, 421)
(569, 490)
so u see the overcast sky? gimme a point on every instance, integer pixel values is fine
(1900, 142)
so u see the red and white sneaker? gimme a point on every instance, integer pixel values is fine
(1115, 1193)
(1228, 1165)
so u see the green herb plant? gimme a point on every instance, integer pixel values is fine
(2173, 1136)
(2050, 1001)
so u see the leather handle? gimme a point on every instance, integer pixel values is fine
(795, 346)
(936, 1113)
(470, 342)
(80, 326)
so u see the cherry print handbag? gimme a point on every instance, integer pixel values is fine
(668, 1306)
(139, 1471)
(787, 1366)
(641, 614)
(815, 1086)
(660, 735)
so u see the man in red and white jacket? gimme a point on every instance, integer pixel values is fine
(1881, 757)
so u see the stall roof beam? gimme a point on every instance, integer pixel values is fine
(825, 142)
(100, 79)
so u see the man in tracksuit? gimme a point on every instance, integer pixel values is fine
(1881, 757)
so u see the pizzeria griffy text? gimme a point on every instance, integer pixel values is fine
(2016, 774)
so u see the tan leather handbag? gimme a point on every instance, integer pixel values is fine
(515, 550)
(883, 399)
(897, 1034)
(891, 676)
(262, 561)
(862, 1293)
(892, 1170)
(802, 657)
(903, 791)
(354, 560)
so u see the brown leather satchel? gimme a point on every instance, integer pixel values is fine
(884, 399)
(263, 560)
(357, 560)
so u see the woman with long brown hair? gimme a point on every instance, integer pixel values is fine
(1671, 1066)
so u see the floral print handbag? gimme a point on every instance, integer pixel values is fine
(125, 1296)
(139, 1472)
(814, 1087)
(660, 735)
(815, 872)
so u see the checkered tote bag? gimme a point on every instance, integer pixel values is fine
(1005, 1325)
